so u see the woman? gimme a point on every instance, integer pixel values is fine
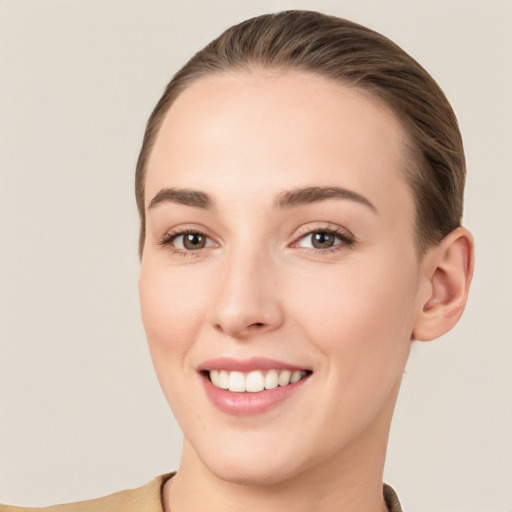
(300, 190)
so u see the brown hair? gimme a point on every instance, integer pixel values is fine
(355, 56)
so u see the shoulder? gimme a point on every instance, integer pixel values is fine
(143, 499)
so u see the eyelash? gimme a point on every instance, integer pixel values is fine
(347, 241)
(169, 238)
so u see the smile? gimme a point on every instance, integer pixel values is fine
(254, 381)
(244, 387)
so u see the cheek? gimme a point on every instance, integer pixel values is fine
(360, 317)
(172, 310)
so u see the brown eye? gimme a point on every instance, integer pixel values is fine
(193, 241)
(322, 240)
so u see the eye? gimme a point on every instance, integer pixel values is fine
(318, 240)
(324, 239)
(188, 241)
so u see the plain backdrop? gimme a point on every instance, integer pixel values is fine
(81, 412)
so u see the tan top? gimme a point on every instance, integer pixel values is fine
(147, 498)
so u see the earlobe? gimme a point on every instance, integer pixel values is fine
(447, 271)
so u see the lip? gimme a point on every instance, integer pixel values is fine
(248, 404)
(246, 365)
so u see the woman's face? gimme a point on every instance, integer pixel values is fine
(280, 246)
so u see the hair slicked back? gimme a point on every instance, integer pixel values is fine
(354, 56)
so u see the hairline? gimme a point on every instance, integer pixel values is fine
(411, 153)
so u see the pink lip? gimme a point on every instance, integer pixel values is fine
(247, 404)
(246, 365)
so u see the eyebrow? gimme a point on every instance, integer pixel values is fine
(308, 195)
(288, 199)
(184, 196)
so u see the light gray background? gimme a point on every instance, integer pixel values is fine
(81, 413)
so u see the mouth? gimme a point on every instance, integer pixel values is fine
(253, 386)
(254, 381)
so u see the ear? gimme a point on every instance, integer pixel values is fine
(446, 270)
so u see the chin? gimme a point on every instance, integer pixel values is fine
(243, 472)
(250, 462)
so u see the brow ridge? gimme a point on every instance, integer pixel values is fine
(308, 195)
(287, 199)
(185, 196)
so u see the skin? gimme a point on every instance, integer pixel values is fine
(260, 288)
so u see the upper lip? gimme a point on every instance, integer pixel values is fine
(247, 365)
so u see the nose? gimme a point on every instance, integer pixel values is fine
(248, 300)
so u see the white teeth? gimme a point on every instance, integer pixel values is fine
(214, 377)
(223, 379)
(236, 381)
(255, 381)
(296, 375)
(284, 377)
(271, 379)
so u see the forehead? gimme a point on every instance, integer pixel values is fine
(271, 129)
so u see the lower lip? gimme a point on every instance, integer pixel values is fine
(248, 404)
